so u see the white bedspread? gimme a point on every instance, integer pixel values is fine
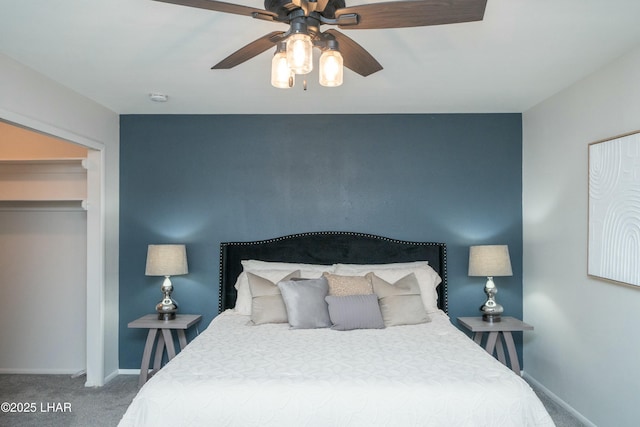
(268, 375)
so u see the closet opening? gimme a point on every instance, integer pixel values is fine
(51, 253)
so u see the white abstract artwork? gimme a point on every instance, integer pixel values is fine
(614, 209)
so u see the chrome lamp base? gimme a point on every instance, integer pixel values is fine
(491, 318)
(491, 310)
(166, 316)
(168, 307)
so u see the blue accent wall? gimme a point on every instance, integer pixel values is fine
(203, 179)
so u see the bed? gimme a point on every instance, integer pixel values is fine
(249, 368)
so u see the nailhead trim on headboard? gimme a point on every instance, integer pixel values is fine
(443, 249)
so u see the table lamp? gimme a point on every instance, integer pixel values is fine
(167, 261)
(490, 261)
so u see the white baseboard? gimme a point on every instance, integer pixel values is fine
(557, 400)
(39, 371)
(111, 376)
(72, 373)
(128, 371)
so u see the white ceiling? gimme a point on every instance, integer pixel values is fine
(116, 52)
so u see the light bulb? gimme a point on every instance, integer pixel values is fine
(331, 68)
(299, 53)
(281, 76)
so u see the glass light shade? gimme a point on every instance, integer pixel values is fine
(299, 53)
(331, 68)
(281, 75)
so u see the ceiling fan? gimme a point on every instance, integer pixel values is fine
(305, 17)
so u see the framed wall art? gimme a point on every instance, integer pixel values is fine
(614, 209)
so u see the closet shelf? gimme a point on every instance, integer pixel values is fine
(42, 205)
(50, 184)
(59, 160)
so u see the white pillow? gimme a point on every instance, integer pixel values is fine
(390, 266)
(427, 277)
(273, 271)
(254, 264)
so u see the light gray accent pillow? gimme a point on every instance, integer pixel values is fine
(355, 312)
(305, 304)
(400, 303)
(267, 305)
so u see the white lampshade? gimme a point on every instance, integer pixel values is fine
(489, 261)
(166, 260)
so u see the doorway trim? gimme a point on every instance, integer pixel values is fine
(96, 238)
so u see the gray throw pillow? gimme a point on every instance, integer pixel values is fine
(267, 305)
(400, 303)
(355, 312)
(305, 304)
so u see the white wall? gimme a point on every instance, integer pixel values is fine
(29, 99)
(43, 273)
(585, 348)
(43, 255)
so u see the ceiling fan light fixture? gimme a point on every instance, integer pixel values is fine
(331, 66)
(300, 53)
(281, 75)
(305, 17)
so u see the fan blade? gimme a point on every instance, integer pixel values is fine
(354, 56)
(413, 13)
(220, 6)
(247, 52)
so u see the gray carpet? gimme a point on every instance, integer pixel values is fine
(96, 407)
(560, 416)
(62, 401)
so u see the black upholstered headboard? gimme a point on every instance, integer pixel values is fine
(328, 247)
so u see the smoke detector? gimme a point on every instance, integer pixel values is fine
(158, 97)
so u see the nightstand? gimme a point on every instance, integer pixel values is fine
(181, 323)
(495, 331)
